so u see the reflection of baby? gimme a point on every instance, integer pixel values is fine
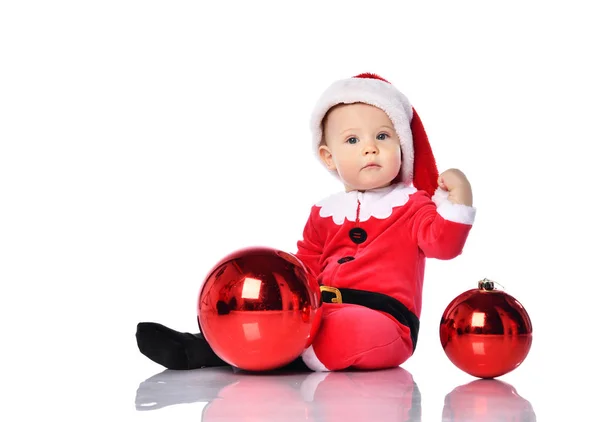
(387, 395)
(170, 388)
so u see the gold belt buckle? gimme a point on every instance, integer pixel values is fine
(336, 292)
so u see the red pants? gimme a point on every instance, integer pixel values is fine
(353, 336)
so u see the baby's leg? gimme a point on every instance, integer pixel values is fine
(173, 349)
(179, 350)
(353, 336)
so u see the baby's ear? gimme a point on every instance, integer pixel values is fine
(326, 157)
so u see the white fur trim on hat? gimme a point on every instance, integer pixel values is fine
(377, 93)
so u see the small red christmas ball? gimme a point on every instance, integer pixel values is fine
(259, 308)
(486, 332)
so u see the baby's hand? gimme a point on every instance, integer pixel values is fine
(456, 183)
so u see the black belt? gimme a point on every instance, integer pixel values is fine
(376, 301)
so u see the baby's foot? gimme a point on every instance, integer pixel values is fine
(173, 349)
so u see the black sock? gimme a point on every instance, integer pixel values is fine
(173, 349)
(176, 350)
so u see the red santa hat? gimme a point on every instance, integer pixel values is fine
(418, 163)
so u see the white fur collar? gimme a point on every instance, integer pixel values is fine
(377, 203)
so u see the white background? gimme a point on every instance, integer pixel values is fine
(141, 141)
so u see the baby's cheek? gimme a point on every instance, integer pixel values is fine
(347, 164)
(397, 162)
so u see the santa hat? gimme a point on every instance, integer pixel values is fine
(418, 163)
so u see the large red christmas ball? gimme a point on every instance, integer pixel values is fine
(259, 308)
(486, 332)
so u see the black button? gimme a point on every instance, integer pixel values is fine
(358, 235)
(345, 259)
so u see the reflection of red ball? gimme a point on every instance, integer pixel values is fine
(487, 400)
(259, 308)
(486, 332)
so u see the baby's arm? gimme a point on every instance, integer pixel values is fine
(441, 227)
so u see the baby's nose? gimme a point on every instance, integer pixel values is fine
(370, 149)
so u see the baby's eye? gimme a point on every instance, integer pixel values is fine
(352, 140)
(382, 136)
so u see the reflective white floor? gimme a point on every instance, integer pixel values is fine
(389, 395)
(423, 392)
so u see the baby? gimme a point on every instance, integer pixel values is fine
(367, 245)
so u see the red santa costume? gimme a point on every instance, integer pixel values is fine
(368, 249)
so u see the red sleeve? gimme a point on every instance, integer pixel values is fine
(310, 247)
(440, 227)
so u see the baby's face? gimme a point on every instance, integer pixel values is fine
(362, 146)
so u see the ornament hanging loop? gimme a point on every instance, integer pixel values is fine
(487, 284)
